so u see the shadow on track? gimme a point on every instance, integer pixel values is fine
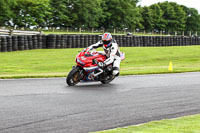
(97, 86)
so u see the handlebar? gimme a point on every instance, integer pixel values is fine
(94, 61)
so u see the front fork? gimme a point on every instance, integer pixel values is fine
(81, 73)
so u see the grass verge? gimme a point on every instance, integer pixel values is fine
(58, 62)
(187, 124)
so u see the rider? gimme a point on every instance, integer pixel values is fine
(111, 51)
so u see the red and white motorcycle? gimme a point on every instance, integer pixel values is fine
(87, 69)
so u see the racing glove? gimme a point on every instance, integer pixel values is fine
(101, 64)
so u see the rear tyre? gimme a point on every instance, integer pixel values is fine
(108, 79)
(73, 77)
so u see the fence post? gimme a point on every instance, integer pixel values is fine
(196, 33)
(41, 32)
(11, 32)
(175, 33)
(79, 30)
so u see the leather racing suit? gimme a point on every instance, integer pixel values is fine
(112, 53)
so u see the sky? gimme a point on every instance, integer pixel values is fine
(187, 3)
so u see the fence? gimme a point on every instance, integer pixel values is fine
(28, 42)
(85, 30)
(18, 32)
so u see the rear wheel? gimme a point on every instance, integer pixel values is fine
(73, 77)
(108, 79)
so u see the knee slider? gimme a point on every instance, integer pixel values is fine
(115, 71)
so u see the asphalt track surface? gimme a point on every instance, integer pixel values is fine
(49, 105)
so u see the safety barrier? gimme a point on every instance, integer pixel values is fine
(28, 42)
(19, 32)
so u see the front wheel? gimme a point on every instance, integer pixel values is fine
(73, 77)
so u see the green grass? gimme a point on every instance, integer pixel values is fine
(144, 60)
(188, 124)
(139, 60)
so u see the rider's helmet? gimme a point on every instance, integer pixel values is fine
(107, 39)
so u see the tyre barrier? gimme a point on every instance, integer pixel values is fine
(73, 45)
(86, 41)
(82, 40)
(15, 43)
(44, 41)
(21, 42)
(69, 41)
(51, 41)
(3, 44)
(63, 41)
(26, 47)
(58, 41)
(39, 40)
(30, 42)
(9, 43)
(77, 41)
(35, 42)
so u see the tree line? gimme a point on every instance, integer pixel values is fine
(108, 14)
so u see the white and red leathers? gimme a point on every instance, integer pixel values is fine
(112, 53)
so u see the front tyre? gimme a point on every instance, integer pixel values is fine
(73, 77)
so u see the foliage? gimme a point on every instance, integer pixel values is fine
(120, 14)
(108, 14)
(174, 15)
(60, 13)
(157, 17)
(5, 11)
(85, 13)
(29, 13)
(193, 19)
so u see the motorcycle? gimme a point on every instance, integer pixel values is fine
(87, 69)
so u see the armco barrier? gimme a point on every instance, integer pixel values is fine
(27, 42)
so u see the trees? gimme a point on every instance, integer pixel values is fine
(167, 16)
(108, 14)
(120, 14)
(28, 13)
(5, 11)
(60, 13)
(193, 19)
(85, 13)
(157, 17)
(174, 16)
(76, 13)
(147, 21)
(153, 18)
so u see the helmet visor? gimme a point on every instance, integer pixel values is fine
(107, 45)
(106, 42)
